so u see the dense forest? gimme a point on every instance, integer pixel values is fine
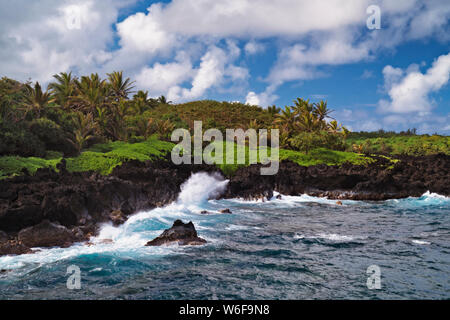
(88, 113)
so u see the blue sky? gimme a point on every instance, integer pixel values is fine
(258, 52)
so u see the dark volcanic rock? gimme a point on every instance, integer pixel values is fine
(3, 237)
(225, 211)
(412, 176)
(182, 233)
(13, 247)
(80, 202)
(47, 234)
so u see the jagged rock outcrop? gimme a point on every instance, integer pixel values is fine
(81, 201)
(412, 176)
(48, 234)
(181, 233)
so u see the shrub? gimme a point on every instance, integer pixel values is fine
(306, 141)
(15, 139)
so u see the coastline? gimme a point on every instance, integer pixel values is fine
(60, 208)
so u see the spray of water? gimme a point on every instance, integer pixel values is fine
(201, 187)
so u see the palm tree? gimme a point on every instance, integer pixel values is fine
(145, 127)
(273, 110)
(85, 126)
(284, 139)
(165, 127)
(35, 99)
(142, 102)
(333, 127)
(307, 122)
(163, 100)
(253, 124)
(117, 126)
(119, 87)
(285, 120)
(102, 120)
(345, 132)
(63, 89)
(321, 110)
(92, 92)
(302, 106)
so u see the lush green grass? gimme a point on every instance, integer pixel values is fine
(411, 145)
(324, 156)
(103, 158)
(13, 165)
(314, 157)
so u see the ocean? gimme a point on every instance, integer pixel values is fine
(296, 247)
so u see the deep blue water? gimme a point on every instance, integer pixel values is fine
(294, 248)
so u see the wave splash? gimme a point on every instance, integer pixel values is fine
(195, 192)
(201, 187)
(129, 239)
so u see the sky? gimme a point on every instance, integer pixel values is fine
(392, 75)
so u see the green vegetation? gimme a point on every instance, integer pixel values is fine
(14, 165)
(314, 157)
(402, 144)
(97, 124)
(102, 158)
(325, 156)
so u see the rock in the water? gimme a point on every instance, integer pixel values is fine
(46, 234)
(117, 217)
(278, 196)
(13, 247)
(205, 212)
(181, 233)
(339, 202)
(225, 211)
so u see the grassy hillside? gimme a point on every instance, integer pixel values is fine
(102, 158)
(213, 114)
(400, 144)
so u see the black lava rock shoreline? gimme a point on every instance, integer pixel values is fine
(59, 208)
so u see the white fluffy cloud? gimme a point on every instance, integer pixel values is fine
(253, 47)
(162, 77)
(144, 32)
(307, 35)
(216, 67)
(409, 91)
(39, 39)
(263, 99)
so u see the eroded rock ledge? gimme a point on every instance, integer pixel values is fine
(72, 205)
(412, 176)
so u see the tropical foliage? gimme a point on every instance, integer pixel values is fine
(74, 114)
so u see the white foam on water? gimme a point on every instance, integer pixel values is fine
(331, 236)
(130, 238)
(293, 201)
(200, 187)
(337, 237)
(429, 195)
(421, 242)
(427, 199)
